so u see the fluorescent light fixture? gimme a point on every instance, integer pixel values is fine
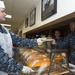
(8, 16)
(6, 25)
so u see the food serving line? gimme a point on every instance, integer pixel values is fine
(43, 62)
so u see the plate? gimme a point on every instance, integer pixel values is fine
(48, 40)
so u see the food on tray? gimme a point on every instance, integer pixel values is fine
(58, 58)
(37, 62)
(34, 58)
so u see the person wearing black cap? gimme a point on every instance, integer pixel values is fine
(7, 63)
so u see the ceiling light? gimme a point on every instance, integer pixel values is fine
(8, 16)
(6, 25)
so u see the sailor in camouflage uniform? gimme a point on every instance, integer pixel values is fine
(7, 63)
(69, 41)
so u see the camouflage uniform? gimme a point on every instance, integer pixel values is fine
(69, 41)
(23, 41)
(58, 41)
(7, 64)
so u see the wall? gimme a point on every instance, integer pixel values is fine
(64, 7)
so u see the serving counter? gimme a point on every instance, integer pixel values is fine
(40, 61)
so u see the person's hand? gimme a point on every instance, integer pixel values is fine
(39, 41)
(53, 42)
(27, 70)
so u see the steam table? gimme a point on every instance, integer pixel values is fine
(58, 51)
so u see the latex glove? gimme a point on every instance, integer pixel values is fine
(27, 70)
(39, 41)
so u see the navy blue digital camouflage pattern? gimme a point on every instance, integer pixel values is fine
(9, 65)
(23, 41)
(59, 40)
(69, 41)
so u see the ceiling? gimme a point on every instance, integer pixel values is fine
(18, 9)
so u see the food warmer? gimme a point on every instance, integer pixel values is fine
(41, 61)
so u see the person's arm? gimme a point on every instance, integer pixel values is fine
(23, 41)
(64, 43)
(9, 65)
